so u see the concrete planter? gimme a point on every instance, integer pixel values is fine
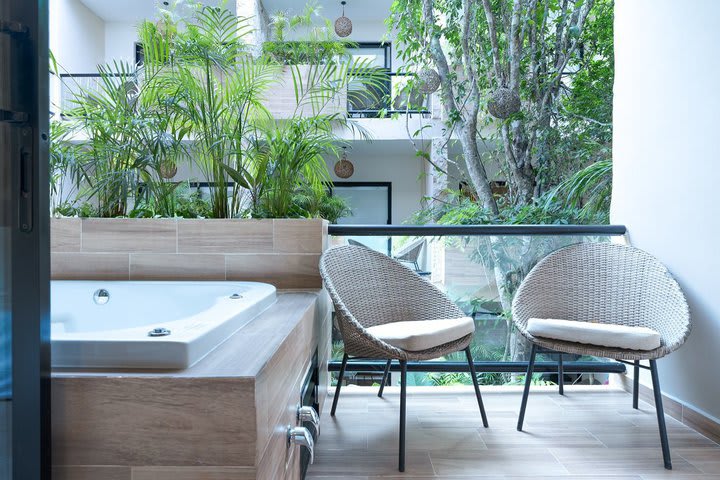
(283, 252)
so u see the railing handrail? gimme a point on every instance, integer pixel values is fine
(476, 230)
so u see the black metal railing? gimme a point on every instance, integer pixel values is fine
(525, 238)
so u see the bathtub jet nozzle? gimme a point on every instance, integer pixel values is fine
(158, 332)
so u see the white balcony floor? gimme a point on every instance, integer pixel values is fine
(590, 433)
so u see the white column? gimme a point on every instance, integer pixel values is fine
(257, 17)
(666, 167)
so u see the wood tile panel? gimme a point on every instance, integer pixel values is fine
(299, 236)
(153, 421)
(91, 473)
(90, 266)
(193, 473)
(129, 235)
(225, 236)
(281, 270)
(157, 266)
(65, 234)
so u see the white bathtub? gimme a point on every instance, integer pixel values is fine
(92, 329)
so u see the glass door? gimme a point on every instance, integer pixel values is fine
(24, 241)
(370, 204)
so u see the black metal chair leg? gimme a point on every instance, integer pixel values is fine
(660, 415)
(636, 383)
(526, 391)
(473, 374)
(403, 401)
(339, 384)
(561, 375)
(385, 378)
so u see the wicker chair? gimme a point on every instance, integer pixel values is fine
(370, 289)
(611, 284)
(411, 253)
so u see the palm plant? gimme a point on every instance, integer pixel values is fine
(110, 115)
(216, 90)
(63, 165)
(589, 190)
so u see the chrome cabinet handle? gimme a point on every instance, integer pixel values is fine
(308, 414)
(301, 436)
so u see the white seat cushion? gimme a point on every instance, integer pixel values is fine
(423, 334)
(603, 334)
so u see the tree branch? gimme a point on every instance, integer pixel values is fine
(515, 50)
(492, 31)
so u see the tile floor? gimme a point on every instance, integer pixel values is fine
(590, 433)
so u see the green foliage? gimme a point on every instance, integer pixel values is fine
(62, 169)
(200, 96)
(183, 201)
(560, 67)
(537, 380)
(588, 190)
(459, 209)
(215, 90)
(441, 379)
(316, 202)
(305, 52)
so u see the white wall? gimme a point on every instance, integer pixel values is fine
(389, 162)
(77, 36)
(120, 39)
(666, 167)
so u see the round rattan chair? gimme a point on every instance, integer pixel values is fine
(370, 289)
(611, 284)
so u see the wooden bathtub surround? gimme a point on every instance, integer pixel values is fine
(224, 418)
(283, 252)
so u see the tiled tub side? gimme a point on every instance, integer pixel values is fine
(283, 252)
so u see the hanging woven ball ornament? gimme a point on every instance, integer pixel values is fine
(168, 170)
(503, 103)
(428, 80)
(344, 167)
(343, 25)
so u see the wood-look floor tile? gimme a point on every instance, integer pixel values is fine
(425, 439)
(356, 462)
(649, 437)
(678, 476)
(707, 460)
(617, 461)
(497, 462)
(590, 436)
(539, 437)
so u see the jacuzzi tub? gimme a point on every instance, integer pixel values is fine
(169, 325)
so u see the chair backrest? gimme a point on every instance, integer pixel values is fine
(411, 251)
(606, 283)
(356, 243)
(375, 289)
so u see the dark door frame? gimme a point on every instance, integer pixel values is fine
(30, 237)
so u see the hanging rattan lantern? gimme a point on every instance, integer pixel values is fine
(344, 167)
(168, 169)
(503, 103)
(428, 80)
(343, 25)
